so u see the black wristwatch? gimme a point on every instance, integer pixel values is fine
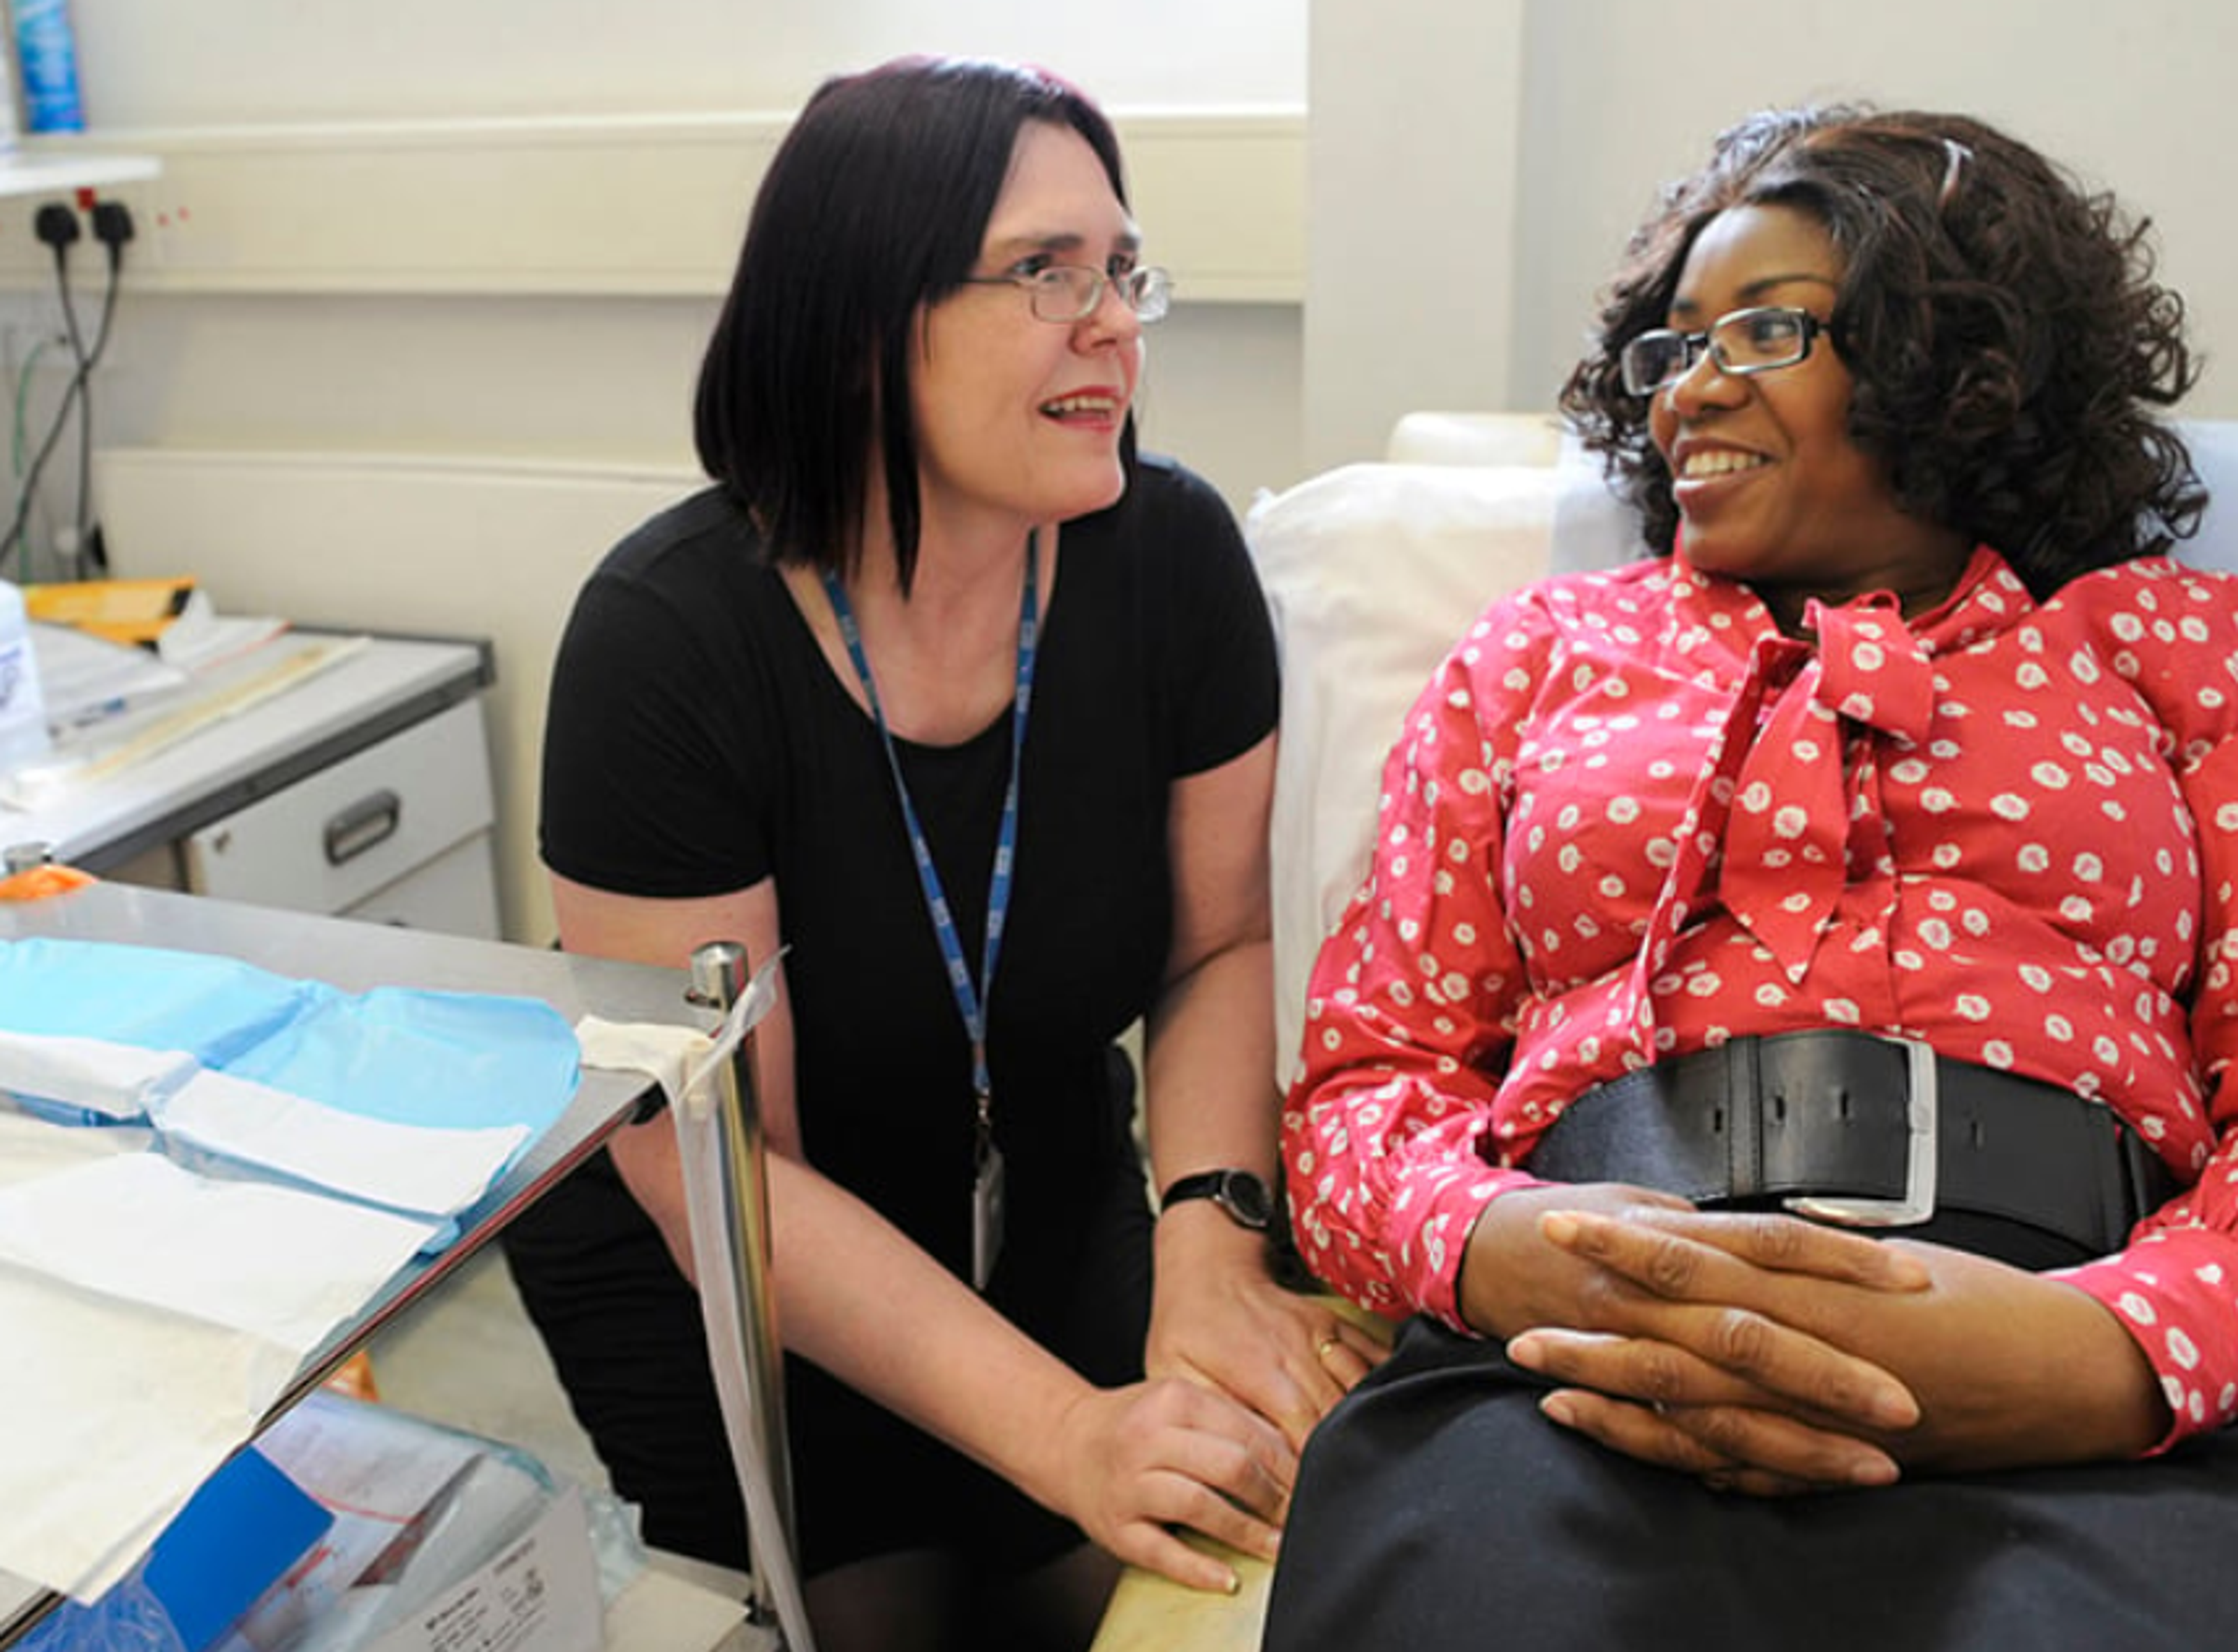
(1241, 1194)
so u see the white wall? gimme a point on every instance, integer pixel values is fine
(2136, 96)
(165, 62)
(1413, 149)
(1615, 96)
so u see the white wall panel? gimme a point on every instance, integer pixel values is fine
(1413, 154)
(179, 63)
(2136, 97)
(628, 206)
(484, 547)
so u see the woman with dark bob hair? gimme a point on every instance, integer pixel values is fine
(1781, 1057)
(946, 692)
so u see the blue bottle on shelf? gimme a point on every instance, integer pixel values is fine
(46, 60)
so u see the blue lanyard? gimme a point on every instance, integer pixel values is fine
(972, 1003)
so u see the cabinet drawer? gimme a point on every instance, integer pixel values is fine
(453, 893)
(334, 837)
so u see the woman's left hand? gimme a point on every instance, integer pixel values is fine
(1218, 1317)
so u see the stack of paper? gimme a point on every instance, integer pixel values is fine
(87, 679)
(102, 748)
(218, 1167)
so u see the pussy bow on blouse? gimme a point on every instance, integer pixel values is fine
(1629, 819)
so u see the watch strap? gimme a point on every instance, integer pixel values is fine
(1242, 1193)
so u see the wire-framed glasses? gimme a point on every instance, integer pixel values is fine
(1754, 340)
(1068, 292)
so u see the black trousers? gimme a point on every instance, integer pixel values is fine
(1437, 1510)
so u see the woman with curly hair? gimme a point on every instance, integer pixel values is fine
(1784, 1044)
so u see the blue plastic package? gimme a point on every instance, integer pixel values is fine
(405, 1056)
(466, 1061)
(234, 1539)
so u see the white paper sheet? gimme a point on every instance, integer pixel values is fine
(438, 1173)
(117, 1080)
(270, 1261)
(153, 1317)
(110, 1414)
(85, 679)
(408, 1167)
(31, 1147)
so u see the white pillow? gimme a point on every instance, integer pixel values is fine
(1475, 439)
(2213, 444)
(1373, 571)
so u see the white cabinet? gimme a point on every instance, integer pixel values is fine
(399, 832)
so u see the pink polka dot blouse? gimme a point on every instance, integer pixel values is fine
(1628, 819)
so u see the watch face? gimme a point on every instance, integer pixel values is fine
(1245, 1198)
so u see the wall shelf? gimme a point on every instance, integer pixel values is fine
(52, 171)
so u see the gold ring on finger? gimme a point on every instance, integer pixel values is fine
(1327, 1345)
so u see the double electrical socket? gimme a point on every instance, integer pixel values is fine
(32, 329)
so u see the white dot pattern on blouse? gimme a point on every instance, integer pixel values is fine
(1628, 819)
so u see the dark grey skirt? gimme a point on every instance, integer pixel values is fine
(1436, 1509)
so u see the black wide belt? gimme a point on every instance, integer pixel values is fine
(1848, 1127)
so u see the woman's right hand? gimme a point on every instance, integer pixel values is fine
(1130, 1463)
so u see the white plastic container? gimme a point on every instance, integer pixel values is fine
(23, 735)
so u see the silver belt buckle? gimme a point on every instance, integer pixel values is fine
(1917, 1204)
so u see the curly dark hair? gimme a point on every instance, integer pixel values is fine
(2001, 323)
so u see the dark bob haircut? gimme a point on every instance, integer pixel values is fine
(2001, 323)
(875, 204)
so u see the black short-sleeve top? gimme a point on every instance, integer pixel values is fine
(698, 742)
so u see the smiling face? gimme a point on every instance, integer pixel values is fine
(1019, 418)
(1771, 489)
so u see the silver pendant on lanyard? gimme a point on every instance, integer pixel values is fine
(986, 1196)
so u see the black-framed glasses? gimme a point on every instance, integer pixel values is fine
(1755, 340)
(1068, 292)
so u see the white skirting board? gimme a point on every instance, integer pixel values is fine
(464, 547)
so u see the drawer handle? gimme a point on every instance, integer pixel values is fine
(365, 824)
